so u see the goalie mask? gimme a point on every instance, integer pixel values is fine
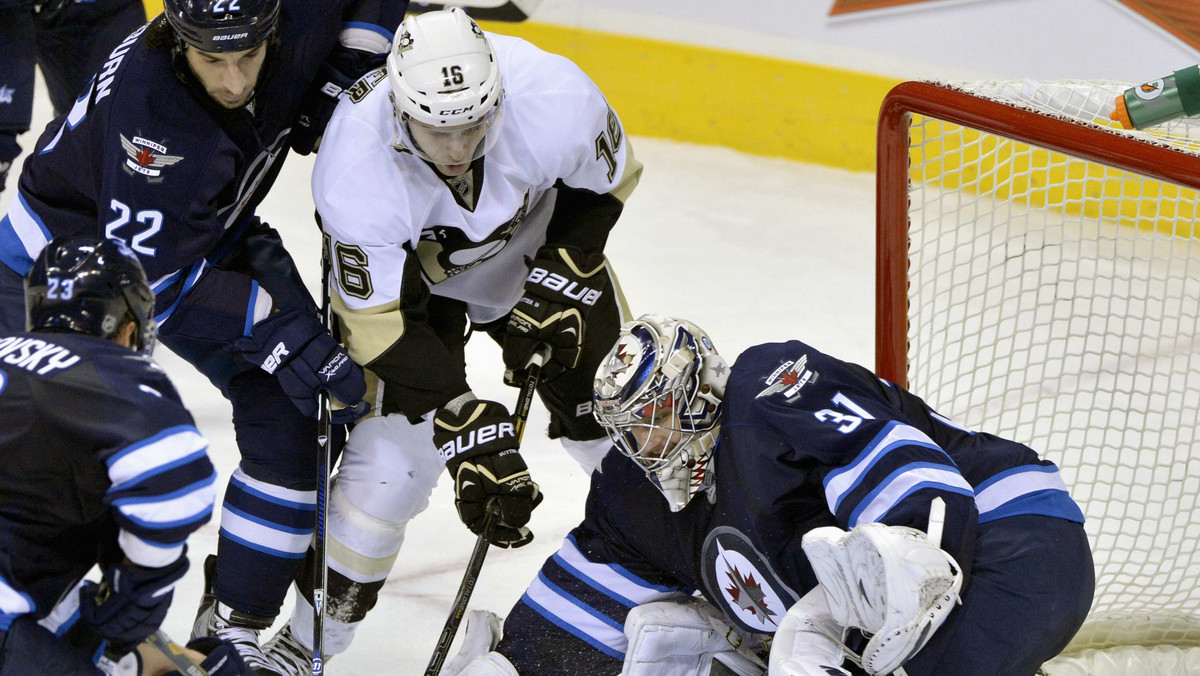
(445, 88)
(658, 396)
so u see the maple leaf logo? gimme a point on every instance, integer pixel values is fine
(748, 594)
(144, 157)
(790, 378)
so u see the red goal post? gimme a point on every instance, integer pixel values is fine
(1038, 277)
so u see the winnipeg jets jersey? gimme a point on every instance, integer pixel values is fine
(98, 458)
(147, 158)
(806, 441)
(385, 210)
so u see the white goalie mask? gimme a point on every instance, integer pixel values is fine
(658, 396)
(446, 87)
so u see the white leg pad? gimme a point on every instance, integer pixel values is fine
(676, 638)
(491, 664)
(387, 472)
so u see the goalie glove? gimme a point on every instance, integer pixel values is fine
(809, 642)
(888, 581)
(562, 288)
(479, 446)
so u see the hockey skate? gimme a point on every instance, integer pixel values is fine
(284, 655)
(217, 619)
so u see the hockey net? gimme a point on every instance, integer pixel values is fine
(1038, 277)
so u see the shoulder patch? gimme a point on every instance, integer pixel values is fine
(789, 378)
(147, 158)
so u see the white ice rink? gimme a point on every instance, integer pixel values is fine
(752, 249)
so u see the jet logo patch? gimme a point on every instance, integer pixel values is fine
(147, 158)
(789, 379)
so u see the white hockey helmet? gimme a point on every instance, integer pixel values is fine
(446, 86)
(658, 396)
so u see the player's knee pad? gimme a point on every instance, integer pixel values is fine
(680, 637)
(389, 468)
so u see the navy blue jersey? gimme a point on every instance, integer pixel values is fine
(145, 157)
(99, 461)
(806, 441)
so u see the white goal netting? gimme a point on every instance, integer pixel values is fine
(1055, 300)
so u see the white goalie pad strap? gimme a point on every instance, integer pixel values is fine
(808, 642)
(889, 581)
(482, 634)
(676, 638)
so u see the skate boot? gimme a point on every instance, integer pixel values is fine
(219, 620)
(284, 655)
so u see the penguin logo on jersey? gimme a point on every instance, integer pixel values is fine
(147, 158)
(741, 582)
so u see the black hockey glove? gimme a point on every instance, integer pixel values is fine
(562, 288)
(296, 348)
(479, 447)
(336, 74)
(130, 603)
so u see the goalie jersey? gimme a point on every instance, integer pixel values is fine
(806, 441)
(98, 458)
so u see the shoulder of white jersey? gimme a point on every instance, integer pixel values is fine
(358, 186)
(553, 107)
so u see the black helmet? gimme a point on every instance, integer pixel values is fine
(222, 25)
(89, 285)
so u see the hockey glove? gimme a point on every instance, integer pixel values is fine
(562, 288)
(295, 347)
(130, 603)
(221, 657)
(340, 70)
(479, 447)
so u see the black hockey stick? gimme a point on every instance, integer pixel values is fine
(324, 460)
(475, 564)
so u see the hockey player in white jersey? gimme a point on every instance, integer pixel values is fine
(472, 181)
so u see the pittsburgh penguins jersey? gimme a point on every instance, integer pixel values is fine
(146, 157)
(806, 441)
(99, 460)
(398, 227)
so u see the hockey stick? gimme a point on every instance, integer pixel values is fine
(324, 460)
(524, 403)
(174, 654)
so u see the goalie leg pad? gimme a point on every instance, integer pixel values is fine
(676, 638)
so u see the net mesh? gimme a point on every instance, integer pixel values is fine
(1056, 301)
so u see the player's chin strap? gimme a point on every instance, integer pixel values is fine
(894, 583)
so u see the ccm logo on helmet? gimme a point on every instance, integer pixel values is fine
(481, 435)
(568, 288)
(456, 111)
